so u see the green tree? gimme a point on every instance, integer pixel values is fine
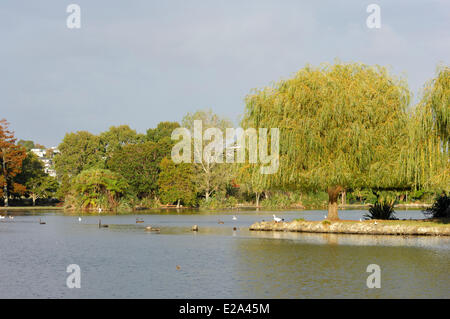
(27, 144)
(210, 177)
(139, 165)
(38, 184)
(175, 183)
(162, 131)
(117, 137)
(41, 187)
(341, 126)
(252, 181)
(98, 188)
(427, 153)
(78, 151)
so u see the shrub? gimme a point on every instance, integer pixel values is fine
(98, 188)
(216, 202)
(381, 210)
(440, 207)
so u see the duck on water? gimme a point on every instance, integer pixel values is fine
(100, 225)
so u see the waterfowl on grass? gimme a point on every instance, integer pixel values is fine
(276, 219)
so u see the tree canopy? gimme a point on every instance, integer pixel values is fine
(341, 126)
(11, 157)
(426, 156)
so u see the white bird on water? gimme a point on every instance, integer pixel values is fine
(79, 219)
(2, 217)
(360, 220)
(234, 218)
(276, 219)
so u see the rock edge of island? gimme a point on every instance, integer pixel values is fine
(350, 227)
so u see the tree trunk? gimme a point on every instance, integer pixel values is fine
(178, 203)
(206, 195)
(34, 199)
(344, 198)
(333, 194)
(5, 194)
(5, 187)
(257, 198)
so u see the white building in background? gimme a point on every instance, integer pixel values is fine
(40, 152)
(47, 160)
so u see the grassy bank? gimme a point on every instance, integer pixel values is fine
(2, 208)
(372, 227)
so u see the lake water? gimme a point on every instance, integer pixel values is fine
(126, 261)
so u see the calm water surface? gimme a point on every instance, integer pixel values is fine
(126, 261)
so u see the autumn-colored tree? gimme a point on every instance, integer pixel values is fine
(11, 157)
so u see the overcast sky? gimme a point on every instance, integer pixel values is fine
(142, 62)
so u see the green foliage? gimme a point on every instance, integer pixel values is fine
(341, 127)
(32, 168)
(117, 137)
(27, 144)
(98, 188)
(215, 202)
(139, 165)
(417, 195)
(440, 207)
(381, 210)
(78, 151)
(315, 200)
(426, 154)
(209, 177)
(362, 195)
(162, 131)
(281, 200)
(175, 183)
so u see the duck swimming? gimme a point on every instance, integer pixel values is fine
(100, 225)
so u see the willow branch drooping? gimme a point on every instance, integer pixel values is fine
(427, 153)
(341, 125)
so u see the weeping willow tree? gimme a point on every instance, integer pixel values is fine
(427, 154)
(252, 181)
(341, 126)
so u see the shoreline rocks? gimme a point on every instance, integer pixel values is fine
(345, 227)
